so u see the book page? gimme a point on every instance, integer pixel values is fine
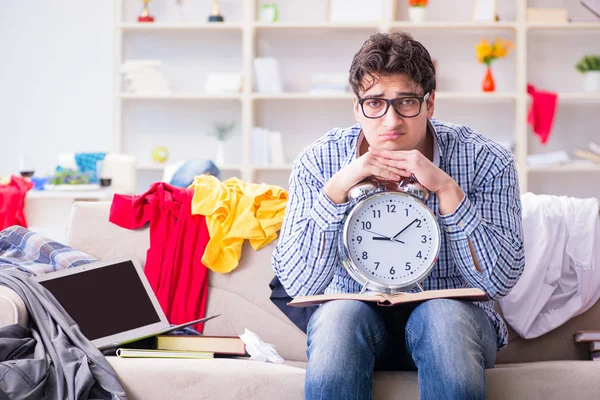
(304, 301)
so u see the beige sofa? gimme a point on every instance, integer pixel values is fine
(527, 369)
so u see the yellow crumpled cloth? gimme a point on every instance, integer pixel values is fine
(236, 210)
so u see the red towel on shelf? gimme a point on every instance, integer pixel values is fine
(177, 242)
(541, 112)
(12, 202)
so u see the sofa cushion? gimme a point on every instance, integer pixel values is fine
(242, 296)
(244, 379)
(148, 379)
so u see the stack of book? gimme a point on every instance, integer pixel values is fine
(144, 76)
(328, 83)
(181, 346)
(592, 338)
(267, 147)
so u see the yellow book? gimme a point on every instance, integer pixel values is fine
(227, 345)
(145, 353)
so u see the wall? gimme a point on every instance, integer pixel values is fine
(55, 80)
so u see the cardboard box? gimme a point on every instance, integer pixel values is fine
(547, 15)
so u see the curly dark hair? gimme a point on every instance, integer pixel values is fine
(389, 54)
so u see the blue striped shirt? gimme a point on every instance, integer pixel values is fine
(306, 259)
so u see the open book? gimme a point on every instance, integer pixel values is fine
(392, 299)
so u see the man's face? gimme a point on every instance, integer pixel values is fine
(392, 131)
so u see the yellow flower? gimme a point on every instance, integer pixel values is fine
(484, 50)
(501, 48)
(487, 52)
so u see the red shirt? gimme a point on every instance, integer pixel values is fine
(177, 242)
(12, 202)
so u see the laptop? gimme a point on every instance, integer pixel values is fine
(111, 301)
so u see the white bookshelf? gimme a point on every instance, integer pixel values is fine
(177, 26)
(328, 47)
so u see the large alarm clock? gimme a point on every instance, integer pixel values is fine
(391, 238)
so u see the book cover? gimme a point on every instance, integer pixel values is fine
(224, 345)
(587, 336)
(392, 299)
(146, 353)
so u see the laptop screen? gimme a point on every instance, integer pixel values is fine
(104, 301)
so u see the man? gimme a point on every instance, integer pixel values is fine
(474, 193)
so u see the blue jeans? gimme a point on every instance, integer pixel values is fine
(449, 342)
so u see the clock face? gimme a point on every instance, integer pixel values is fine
(393, 239)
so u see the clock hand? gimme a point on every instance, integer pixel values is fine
(405, 228)
(382, 237)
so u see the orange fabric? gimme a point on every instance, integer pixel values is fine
(12, 202)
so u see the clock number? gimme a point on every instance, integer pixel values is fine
(418, 223)
(377, 265)
(359, 239)
(419, 255)
(407, 266)
(376, 214)
(406, 211)
(392, 271)
(391, 208)
(366, 224)
(365, 255)
(423, 239)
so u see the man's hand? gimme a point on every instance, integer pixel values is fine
(360, 168)
(430, 176)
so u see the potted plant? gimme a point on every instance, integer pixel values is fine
(416, 10)
(589, 66)
(221, 133)
(488, 52)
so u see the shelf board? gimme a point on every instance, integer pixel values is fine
(150, 167)
(178, 26)
(160, 167)
(301, 96)
(565, 25)
(573, 167)
(579, 96)
(493, 96)
(272, 167)
(346, 96)
(177, 96)
(315, 25)
(455, 25)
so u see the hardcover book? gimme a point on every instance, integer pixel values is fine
(145, 353)
(393, 299)
(226, 345)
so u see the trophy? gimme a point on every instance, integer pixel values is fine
(216, 13)
(145, 14)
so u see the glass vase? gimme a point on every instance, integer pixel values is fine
(488, 84)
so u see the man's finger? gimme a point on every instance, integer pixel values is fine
(388, 154)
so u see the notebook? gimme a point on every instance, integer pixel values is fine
(111, 301)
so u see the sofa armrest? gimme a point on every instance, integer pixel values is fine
(12, 308)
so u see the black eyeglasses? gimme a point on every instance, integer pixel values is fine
(407, 107)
